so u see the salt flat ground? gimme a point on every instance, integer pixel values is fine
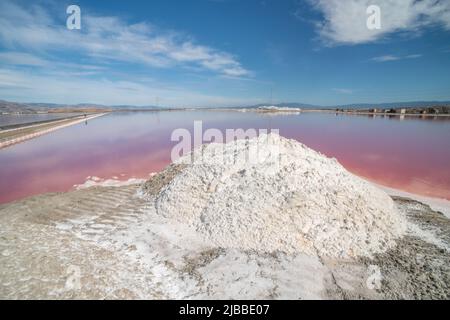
(109, 243)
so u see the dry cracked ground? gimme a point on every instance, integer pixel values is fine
(108, 243)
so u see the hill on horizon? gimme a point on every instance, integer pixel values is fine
(33, 107)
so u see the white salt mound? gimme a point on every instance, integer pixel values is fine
(292, 199)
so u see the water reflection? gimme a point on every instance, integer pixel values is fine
(410, 153)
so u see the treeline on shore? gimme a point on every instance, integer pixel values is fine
(415, 110)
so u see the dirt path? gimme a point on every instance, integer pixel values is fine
(17, 135)
(47, 241)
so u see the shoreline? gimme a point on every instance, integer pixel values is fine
(27, 132)
(366, 113)
(436, 204)
(17, 126)
(350, 112)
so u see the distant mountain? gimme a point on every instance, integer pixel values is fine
(129, 107)
(46, 105)
(13, 107)
(16, 107)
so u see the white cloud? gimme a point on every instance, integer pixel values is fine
(21, 58)
(18, 85)
(413, 56)
(385, 58)
(111, 38)
(389, 57)
(344, 21)
(343, 90)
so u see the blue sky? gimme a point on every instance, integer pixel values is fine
(224, 52)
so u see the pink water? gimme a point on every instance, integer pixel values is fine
(412, 154)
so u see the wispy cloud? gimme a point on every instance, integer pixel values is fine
(413, 56)
(21, 58)
(110, 38)
(343, 90)
(19, 85)
(344, 22)
(389, 57)
(385, 58)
